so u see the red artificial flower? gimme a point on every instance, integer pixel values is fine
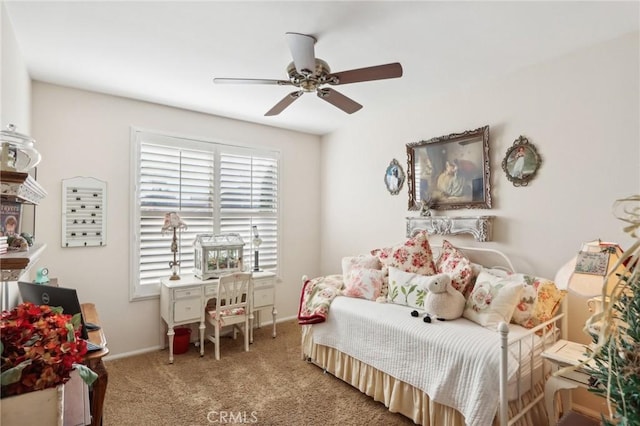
(38, 335)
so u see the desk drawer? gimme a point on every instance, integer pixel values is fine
(263, 283)
(186, 310)
(263, 297)
(210, 290)
(186, 293)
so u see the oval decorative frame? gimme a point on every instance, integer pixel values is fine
(521, 162)
(394, 177)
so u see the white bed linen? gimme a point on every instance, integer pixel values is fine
(456, 363)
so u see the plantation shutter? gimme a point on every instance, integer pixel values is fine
(249, 197)
(172, 179)
(214, 188)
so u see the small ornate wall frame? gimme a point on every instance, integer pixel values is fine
(521, 162)
(394, 177)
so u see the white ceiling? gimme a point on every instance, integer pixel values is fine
(169, 52)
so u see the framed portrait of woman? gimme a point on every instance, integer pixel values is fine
(450, 172)
(394, 177)
(521, 162)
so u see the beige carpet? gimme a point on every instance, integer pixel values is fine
(269, 385)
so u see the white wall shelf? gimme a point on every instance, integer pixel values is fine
(20, 187)
(478, 226)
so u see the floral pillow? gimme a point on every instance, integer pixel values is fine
(539, 302)
(363, 261)
(493, 299)
(414, 255)
(364, 283)
(455, 264)
(407, 288)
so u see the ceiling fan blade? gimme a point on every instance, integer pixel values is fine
(250, 81)
(285, 102)
(339, 100)
(379, 72)
(301, 46)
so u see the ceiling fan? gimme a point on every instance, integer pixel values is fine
(310, 74)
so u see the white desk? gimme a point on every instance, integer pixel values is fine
(183, 301)
(563, 354)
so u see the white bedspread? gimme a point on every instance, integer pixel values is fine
(456, 363)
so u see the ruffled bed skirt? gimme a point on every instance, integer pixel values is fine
(400, 397)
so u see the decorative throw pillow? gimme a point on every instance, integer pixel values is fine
(539, 302)
(476, 268)
(493, 298)
(475, 271)
(363, 261)
(455, 264)
(364, 283)
(414, 255)
(407, 288)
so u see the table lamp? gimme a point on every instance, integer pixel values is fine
(256, 243)
(594, 273)
(173, 222)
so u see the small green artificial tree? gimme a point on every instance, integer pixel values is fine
(616, 361)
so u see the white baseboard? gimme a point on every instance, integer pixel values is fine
(270, 321)
(158, 348)
(132, 353)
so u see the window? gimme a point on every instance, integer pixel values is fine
(215, 188)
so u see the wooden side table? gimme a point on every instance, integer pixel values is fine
(564, 354)
(94, 361)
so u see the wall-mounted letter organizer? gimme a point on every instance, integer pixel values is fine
(84, 212)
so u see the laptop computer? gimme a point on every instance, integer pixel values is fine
(66, 298)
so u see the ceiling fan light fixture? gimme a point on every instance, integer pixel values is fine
(301, 76)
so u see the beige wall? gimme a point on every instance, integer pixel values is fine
(88, 134)
(580, 111)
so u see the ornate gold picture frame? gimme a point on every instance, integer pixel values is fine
(450, 172)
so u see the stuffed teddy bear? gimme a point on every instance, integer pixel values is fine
(442, 301)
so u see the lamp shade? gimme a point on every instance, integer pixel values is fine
(591, 269)
(172, 221)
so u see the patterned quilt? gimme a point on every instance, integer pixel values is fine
(317, 295)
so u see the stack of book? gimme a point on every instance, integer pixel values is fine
(3, 244)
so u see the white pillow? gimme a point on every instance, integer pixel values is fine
(493, 299)
(407, 288)
(364, 283)
(363, 261)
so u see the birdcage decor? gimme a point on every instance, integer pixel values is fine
(217, 255)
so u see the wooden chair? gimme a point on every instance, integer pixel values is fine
(231, 306)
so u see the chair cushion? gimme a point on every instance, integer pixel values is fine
(227, 312)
